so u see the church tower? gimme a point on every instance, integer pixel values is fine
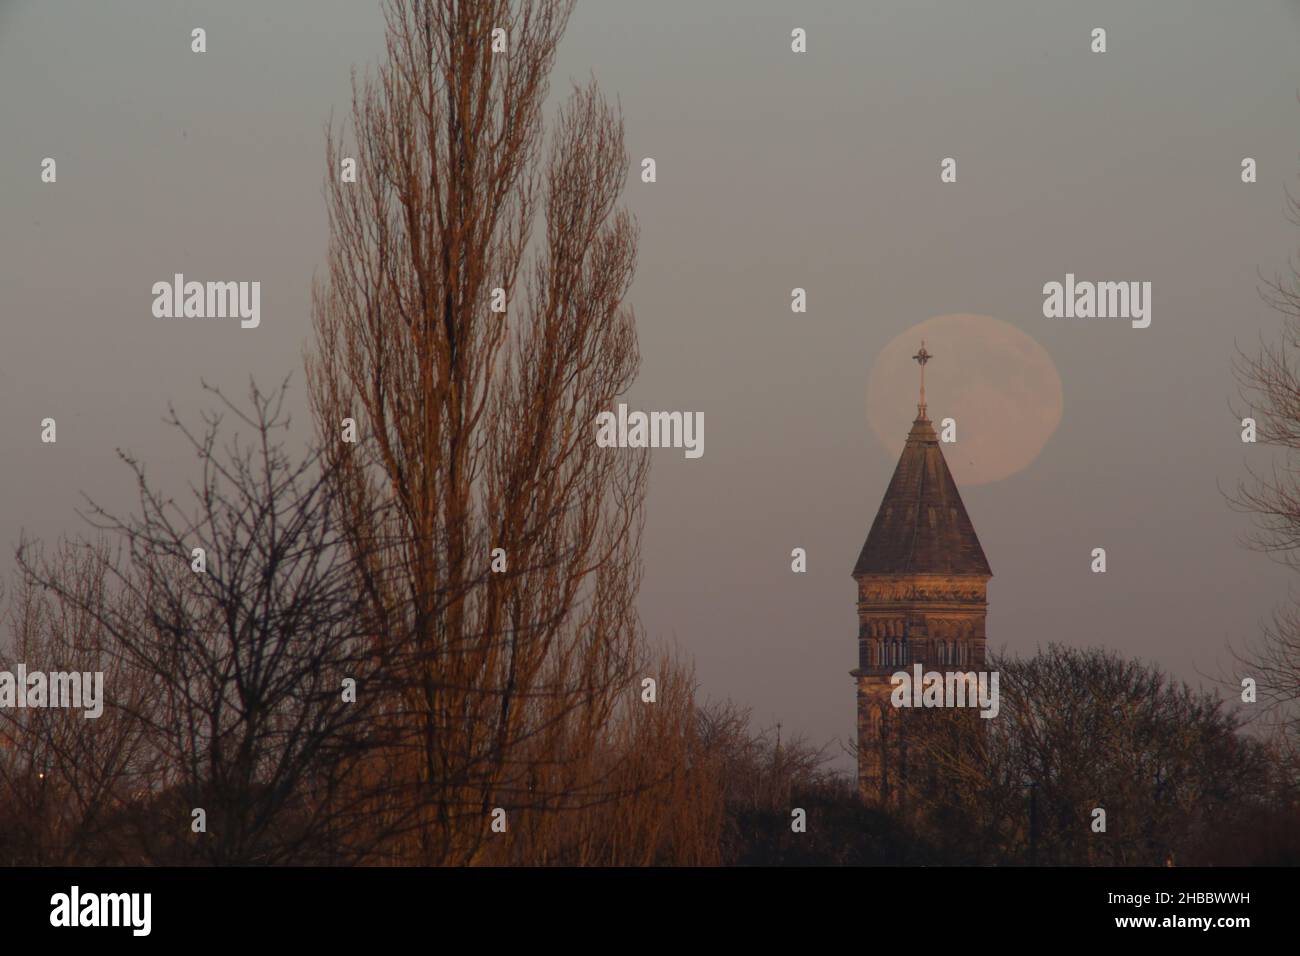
(922, 598)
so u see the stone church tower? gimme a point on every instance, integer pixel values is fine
(922, 597)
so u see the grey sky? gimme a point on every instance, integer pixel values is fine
(775, 171)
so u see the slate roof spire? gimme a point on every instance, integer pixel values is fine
(922, 526)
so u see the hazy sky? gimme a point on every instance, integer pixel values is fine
(774, 171)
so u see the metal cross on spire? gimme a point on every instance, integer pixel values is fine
(921, 358)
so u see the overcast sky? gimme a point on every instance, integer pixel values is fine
(774, 171)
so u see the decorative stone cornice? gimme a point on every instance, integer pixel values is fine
(957, 589)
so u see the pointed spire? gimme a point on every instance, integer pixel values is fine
(922, 526)
(921, 358)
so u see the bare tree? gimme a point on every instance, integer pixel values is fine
(70, 775)
(1077, 731)
(1269, 382)
(647, 793)
(761, 769)
(474, 360)
(231, 661)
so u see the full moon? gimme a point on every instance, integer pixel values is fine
(999, 386)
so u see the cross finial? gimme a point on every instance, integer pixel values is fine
(921, 358)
